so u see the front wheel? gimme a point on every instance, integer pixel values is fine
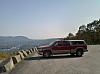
(79, 53)
(46, 54)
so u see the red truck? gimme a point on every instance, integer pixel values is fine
(73, 47)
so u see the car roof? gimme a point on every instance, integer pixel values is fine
(69, 40)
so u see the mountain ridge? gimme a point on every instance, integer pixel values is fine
(22, 42)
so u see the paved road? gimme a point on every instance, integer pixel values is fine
(61, 64)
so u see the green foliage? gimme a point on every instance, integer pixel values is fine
(6, 54)
(89, 32)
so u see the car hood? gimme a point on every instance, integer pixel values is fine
(45, 46)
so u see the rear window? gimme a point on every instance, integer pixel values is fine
(77, 42)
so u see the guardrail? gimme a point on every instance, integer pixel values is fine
(9, 63)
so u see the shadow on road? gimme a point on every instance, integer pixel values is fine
(52, 57)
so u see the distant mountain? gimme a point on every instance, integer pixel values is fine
(9, 42)
(22, 42)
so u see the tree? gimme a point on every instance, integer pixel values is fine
(70, 36)
(89, 32)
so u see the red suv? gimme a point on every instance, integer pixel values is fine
(73, 47)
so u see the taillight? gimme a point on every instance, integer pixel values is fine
(85, 46)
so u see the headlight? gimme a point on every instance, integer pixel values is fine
(39, 49)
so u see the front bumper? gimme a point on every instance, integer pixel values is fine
(85, 50)
(40, 52)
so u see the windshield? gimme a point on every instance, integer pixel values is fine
(52, 43)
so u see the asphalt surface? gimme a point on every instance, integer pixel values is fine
(61, 64)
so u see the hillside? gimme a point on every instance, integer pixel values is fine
(22, 42)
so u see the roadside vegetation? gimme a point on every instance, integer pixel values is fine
(6, 54)
(89, 32)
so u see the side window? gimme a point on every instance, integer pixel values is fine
(59, 43)
(73, 42)
(81, 42)
(77, 42)
(66, 43)
(55, 44)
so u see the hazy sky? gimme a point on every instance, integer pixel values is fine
(39, 19)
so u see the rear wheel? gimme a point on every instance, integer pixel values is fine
(46, 54)
(79, 53)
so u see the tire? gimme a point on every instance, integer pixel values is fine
(46, 54)
(79, 53)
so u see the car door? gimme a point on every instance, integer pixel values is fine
(66, 47)
(60, 47)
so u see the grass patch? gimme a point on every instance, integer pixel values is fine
(6, 54)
